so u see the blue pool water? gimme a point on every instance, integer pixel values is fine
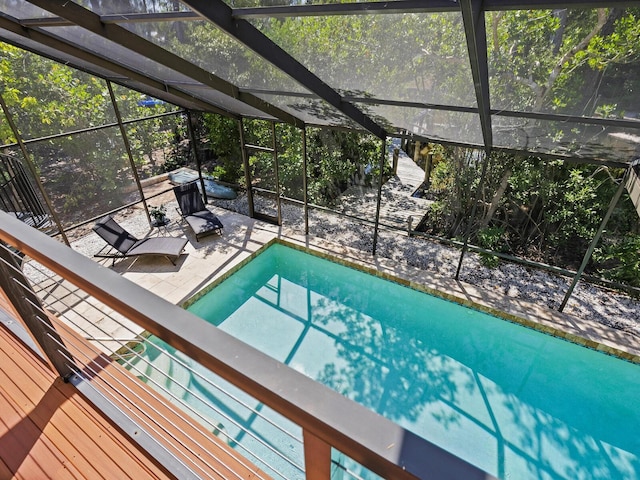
(515, 402)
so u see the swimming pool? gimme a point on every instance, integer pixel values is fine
(515, 402)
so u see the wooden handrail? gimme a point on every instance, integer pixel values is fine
(324, 415)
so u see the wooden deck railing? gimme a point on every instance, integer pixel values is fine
(328, 420)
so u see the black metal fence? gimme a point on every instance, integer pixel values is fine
(19, 195)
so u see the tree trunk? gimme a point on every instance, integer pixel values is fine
(495, 201)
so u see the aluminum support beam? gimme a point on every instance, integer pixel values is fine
(360, 8)
(127, 146)
(416, 6)
(221, 15)
(475, 32)
(554, 117)
(157, 88)
(596, 238)
(332, 9)
(305, 181)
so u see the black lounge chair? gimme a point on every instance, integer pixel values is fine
(122, 244)
(191, 208)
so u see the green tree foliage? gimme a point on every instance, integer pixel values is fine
(454, 179)
(620, 260)
(47, 98)
(223, 142)
(384, 56)
(155, 141)
(334, 157)
(563, 60)
(545, 210)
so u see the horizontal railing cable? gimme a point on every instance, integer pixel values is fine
(123, 344)
(202, 417)
(223, 391)
(72, 364)
(345, 470)
(226, 417)
(182, 364)
(196, 412)
(98, 376)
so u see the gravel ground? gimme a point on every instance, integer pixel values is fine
(588, 301)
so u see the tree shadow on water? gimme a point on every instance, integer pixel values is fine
(384, 368)
(401, 374)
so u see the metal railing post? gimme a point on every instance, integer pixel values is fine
(26, 303)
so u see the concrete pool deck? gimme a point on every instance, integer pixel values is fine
(215, 255)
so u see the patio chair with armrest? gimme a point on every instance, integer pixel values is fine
(192, 209)
(122, 244)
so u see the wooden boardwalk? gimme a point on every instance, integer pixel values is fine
(397, 203)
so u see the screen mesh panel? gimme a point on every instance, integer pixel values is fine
(133, 105)
(407, 57)
(22, 9)
(122, 8)
(227, 103)
(87, 174)
(66, 59)
(48, 98)
(442, 125)
(595, 142)
(159, 144)
(118, 53)
(310, 110)
(290, 161)
(571, 61)
(203, 44)
(273, 3)
(576, 61)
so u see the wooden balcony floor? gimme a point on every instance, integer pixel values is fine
(48, 430)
